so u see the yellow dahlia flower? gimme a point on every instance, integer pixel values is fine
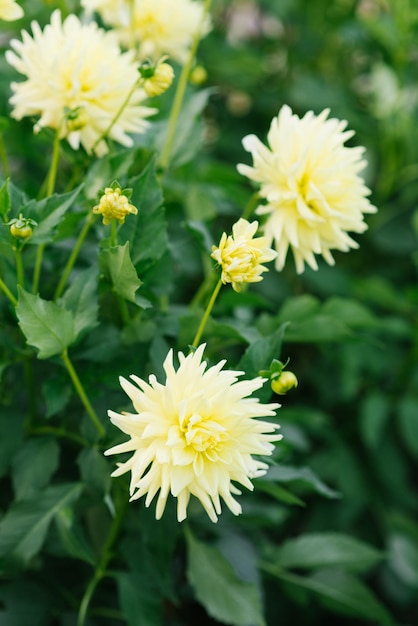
(10, 10)
(77, 81)
(241, 255)
(314, 195)
(196, 434)
(157, 27)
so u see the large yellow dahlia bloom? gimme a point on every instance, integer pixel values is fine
(309, 179)
(156, 27)
(77, 81)
(194, 435)
(10, 10)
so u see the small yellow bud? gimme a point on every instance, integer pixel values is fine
(285, 382)
(198, 75)
(21, 232)
(160, 80)
(114, 205)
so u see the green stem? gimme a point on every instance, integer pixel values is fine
(19, 266)
(59, 432)
(8, 293)
(124, 104)
(113, 234)
(100, 570)
(180, 91)
(251, 205)
(82, 394)
(37, 268)
(3, 158)
(205, 317)
(74, 254)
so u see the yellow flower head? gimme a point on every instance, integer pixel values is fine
(10, 10)
(196, 434)
(157, 27)
(310, 182)
(114, 204)
(241, 255)
(77, 81)
(157, 78)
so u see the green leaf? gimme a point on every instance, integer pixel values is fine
(49, 213)
(225, 597)
(81, 299)
(11, 435)
(46, 326)
(279, 493)
(300, 475)
(408, 423)
(374, 416)
(147, 232)
(4, 199)
(94, 468)
(25, 603)
(117, 263)
(34, 465)
(403, 559)
(23, 528)
(327, 549)
(72, 536)
(343, 593)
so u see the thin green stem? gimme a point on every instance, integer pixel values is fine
(3, 158)
(59, 432)
(206, 314)
(113, 233)
(124, 104)
(8, 293)
(19, 266)
(38, 267)
(82, 394)
(251, 206)
(74, 254)
(180, 91)
(100, 570)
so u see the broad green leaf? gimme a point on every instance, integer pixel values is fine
(11, 435)
(408, 423)
(81, 299)
(300, 475)
(403, 558)
(374, 416)
(72, 536)
(147, 231)
(33, 466)
(46, 326)
(4, 199)
(279, 493)
(25, 603)
(117, 262)
(23, 528)
(139, 603)
(341, 592)
(300, 308)
(94, 469)
(225, 597)
(49, 213)
(327, 549)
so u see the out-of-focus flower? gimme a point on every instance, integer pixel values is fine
(241, 255)
(194, 435)
(157, 27)
(79, 82)
(114, 204)
(157, 77)
(10, 10)
(314, 195)
(198, 76)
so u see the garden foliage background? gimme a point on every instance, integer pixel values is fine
(330, 534)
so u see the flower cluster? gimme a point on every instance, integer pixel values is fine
(114, 204)
(155, 27)
(241, 255)
(78, 82)
(310, 182)
(194, 435)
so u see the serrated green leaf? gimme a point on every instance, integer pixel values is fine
(225, 597)
(49, 212)
(147, 232)
(327, 549)
(302, 475)
(33, 466)
(81, 299)
(117, 263)
(23, 528)
(46, 326)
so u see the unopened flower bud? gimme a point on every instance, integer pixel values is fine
(22, 227)
(198, 75)
(283, 383)
(157, 79)
(114, 204)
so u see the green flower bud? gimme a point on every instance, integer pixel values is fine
(283, 383)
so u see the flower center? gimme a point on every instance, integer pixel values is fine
(203, 434)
